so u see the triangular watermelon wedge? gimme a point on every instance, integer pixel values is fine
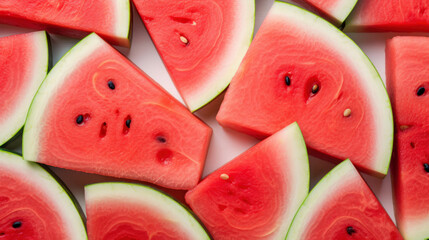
(334, 10)
(97, 112)
(256, 195)
(340, 207)
(407, 70)
(34, 204)
(118, 210)
(111, 19)
(24, 62)
(301, 68)
(201, 42)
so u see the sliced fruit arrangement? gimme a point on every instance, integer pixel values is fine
(256, 195)
(33, 205)
(111, 19)
(389, 16)
(97, 112)
(407, 68)
(342, 206)
(24, 62)
(301, 68)
(201, 42)
(132, 211)
(335, 10)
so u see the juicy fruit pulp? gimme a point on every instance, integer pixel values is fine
(335, 10)
(301, 68)
(32, 203)
(389, 16)
(132, 211)
(75, 18)
(407, 68)
(24, 61)
(97, 112)
(342, 206)
(201, 42)
(256, 195)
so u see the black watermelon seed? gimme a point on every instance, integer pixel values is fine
(315, 89)
(79, 119)
(426, 167)
(161, 139)
(17, 224)
(128, 123)
(287, 80)
(420, 91)
(111, 85)
(350, 230)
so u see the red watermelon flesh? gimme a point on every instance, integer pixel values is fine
(111, 19)
(33, 205)
(201, 42)
(301, 68)
(341, 207)
(24, 62)
(97, 112)
(389, 16)
(132, 211)
(407, 70)
(335, 10)
(256, 195)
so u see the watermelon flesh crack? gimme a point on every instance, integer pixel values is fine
(256, 195)
(389, 16)
(135, 130)
(342, 206)
(200, 42)
(335, 93)
(73, 18)
(407, 61)
(24, 62)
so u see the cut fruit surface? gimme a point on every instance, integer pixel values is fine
(256, 195)
(97, 112)
(201, 42)
(24, 62)
(132, 211)
(111, 19)
(407, 68)
(301, 68)
(342, 206)
(389, 16)
(33, 203)
(336, 10)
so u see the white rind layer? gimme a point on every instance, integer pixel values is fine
(341, 175)
(58, 196)
(35, 118)
(342, 9)
(123, 19)
(415, 229)
(359, 62)
(16, 119)
(298, 172)
(226, 68)
(102, 193)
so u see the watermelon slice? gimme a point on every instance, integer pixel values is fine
(334, 10)
(256, 195)
(342, 206)
(33, 205)
(201, 42)
(111, 19)
(301, 68)
(132, 211)
(97, 112)
(389, 16)
(407, 68)
(24, 62)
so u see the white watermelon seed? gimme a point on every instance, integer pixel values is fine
(404, 127)
(184, 40)
(347, 112)
(224, 176)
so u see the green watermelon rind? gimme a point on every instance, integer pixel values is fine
(125, 28)
(375, 83)
(342, 13)
(44, 59)
(328, 184)
(48, 181)
(147, 195)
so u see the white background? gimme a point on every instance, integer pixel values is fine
(225, 143)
